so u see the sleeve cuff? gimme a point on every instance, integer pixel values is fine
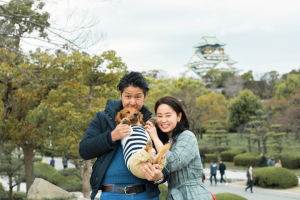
(111, 143)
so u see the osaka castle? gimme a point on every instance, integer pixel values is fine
(209, 54)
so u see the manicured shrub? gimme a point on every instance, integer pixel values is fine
(210, 157)
(229, 155)
(275, 177)
(227, 196)
(43, 170)
(247, 159)
(69, 183)
(163, 191)
(290, 161)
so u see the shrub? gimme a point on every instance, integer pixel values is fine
(247, 159)
(290, 161)
(163, 191)
(229, 155)
(209, 157)
(15, 195)
(226, 196)
(43, 170)
(69, 183)
(275, 177)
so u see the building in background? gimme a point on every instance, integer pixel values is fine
(209, 54)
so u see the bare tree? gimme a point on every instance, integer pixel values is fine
(234, 85)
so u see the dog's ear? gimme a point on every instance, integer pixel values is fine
(118, 118)
(141, 119)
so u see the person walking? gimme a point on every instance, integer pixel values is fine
(202, 159)
(65, 161)
(222, 168)
(249, 179)
(278, 164)
(52, 161)
(263, 160)
(213, 172)
(271, 161)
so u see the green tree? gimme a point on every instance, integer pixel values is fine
(257, 130)
(279, 143)
(241, 108)
(217, 137)
(11, 167)
(287, 88)
(69, 109)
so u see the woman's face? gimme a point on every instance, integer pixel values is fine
(167, 119)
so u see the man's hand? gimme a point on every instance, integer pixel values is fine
(151, 172)
(210, 174)
(120, 131)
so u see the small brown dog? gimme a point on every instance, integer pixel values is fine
(146, 152)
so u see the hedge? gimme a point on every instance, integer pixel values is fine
(229, 155)
(69, 183)
(209, 157)
(227, 196)
(275, 177)
(289, 161)
(163, 191)
(43, 170)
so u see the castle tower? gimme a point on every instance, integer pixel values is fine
(209, 54)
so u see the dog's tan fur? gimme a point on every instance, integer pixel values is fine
(131, 116)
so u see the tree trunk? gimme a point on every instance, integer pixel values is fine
(10, 188)
(259, 149)
(286, 135)
(29, 168)
(86, 179)
(249, 145)
(1, 147)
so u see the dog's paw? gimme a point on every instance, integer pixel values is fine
(153, 120)
(125, 121)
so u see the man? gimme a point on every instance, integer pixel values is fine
(222, 168)
(263, 160)
(52, 161)
(103, 140)
(65, 161)
(213, 172)
(271, 162)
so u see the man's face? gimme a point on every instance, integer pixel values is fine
(133, 97)
(261, 154)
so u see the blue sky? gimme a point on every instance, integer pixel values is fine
(259, 35)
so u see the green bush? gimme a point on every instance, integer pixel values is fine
(209, 157)
(60, 198)
(290, 161)
(227, 196)
(229, 155)
(44, 170)
(69, 183)
(163, 191)
(275, 177)
(15, 196)
(247, 159)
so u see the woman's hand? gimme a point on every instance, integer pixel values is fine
(151, 172)
(151, 129)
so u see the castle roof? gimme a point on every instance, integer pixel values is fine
(209, 40)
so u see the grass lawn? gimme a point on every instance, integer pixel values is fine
(242, 143)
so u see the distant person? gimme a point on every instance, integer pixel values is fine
(249, 178)
(222, 168)
(213, 172)
(202, 158)
(33, 152)
(65, 161)
(263, 160)
(42, 161)
(271, 161)
(52, 161)
(278, 164)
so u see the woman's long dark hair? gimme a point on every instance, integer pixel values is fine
(175, 104)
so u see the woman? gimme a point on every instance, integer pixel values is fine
(249, 178)
(278, 164)
(182, 160)
(202, 159)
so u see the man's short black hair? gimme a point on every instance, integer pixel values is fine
(133, 79)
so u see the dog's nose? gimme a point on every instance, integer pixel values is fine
(136, 114)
